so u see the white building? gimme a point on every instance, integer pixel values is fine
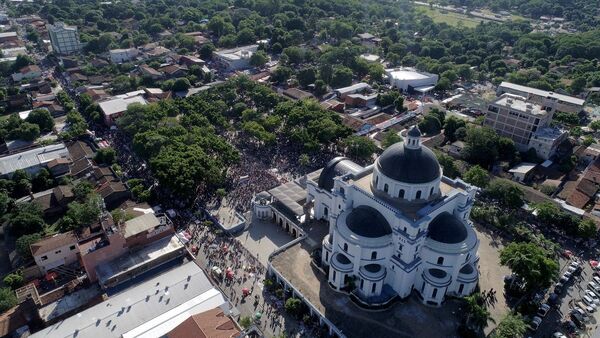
(548, 100)
(410, 79)
(545, 141)
(395, 226)
(113, 108)
(236, 58)
(64, 39)
(55, 251)
(123, 55)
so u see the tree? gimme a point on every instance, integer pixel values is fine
(477, 315)
(245, 322)
(390, 137)
(42, 181)
(359, 147)
(477, 176)
(25, 131)
(182, 84)
(293, 306)
(512, 325)
(106, 156)
(320, 87)
(8, 299)
(26, 218)
(306, 76)
(80, 214)
(430, 125)
(206, 51)
(451, 125)
(42, 118)
(532, 263)
(507, 193)
(281, 74)
(259, 59)
(376, 72)
(587, 228)
(399, 104)
(5, 203)
(448, 166)
(342, 77)
(481, 146)
(595, 125)
(82, 189)
(14, 280)
(24, 242)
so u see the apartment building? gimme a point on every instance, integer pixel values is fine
(549, 101)
(515, 117)
(64, 39)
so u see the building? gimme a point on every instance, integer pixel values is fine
(150, 309)
(123, 55)
(113, 108)
(523, 171)
(517, 118)
(209, 324)
(8, 37)
(31, 160)
(548, 100)
(64, 39)
(353, 89)
(236, 58)
(395, 227)
(297, 94)
(27, 73)
(55, 251)
(411, 80)
(545, 141)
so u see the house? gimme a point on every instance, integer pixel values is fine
(59, 166)
(27, 73)
(33, 160)
(199, 38)
(123, 55)
(53, 202)
(145, 229)
(173, 71)
(78, 77)
(523, 171)
(454, 149)
(109, 187)
(368, 39)
(409, 79)
(297, 94)
(235, 58)
(190, 60)
(8, 37)
(147, 71)
(96, 93)
(113, 108)
(54, 251)
(212, 323)
(353, 89)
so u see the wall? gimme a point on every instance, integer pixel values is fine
(92, 259)
(57, 257)
(150, 236)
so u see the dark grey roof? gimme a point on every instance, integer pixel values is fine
(366, 221)
(334, 168)
(447, 228)
(414, 132)
(467, 269)
(437, 273)
(373, 268)
(413, 166)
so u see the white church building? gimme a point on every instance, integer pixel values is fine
(395, 226)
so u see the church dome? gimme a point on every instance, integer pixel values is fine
(366, 221)
(409, 165)
(447, 228)
(334, 168)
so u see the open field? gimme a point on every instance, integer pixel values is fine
(451, 18)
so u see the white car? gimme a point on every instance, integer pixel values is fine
(568, 275)
(543, 310)
(587, 308)
(593, 296)
(594, 288)
(535, 323)
(596, 280)
(558, 335)
(590, 302)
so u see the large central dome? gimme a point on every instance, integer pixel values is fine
(409, 165)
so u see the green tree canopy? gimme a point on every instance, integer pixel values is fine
(531, 262)
(477, 176)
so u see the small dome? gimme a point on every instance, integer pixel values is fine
(414, 132)
(366, 221)
(447, 228)
(334, 168)
(342, 259)
(438, 273)
(466, 270)
(413, 166)
(373, 268)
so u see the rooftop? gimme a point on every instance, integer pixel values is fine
(142, 223)
(209, 324)
(53, 242)
(290, 194)
(120, 104)
(139, 310)
(520, 104)
(543, 93)
(522, 168)
(31, 158)
(407, 73)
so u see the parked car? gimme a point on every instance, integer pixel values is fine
(593, 296)
(580, 311)
(596, 280)
(588, 301)
(570, 326)
(535, 323)
(543, 310)
(558, 335)
(587, 308)
(578, 320)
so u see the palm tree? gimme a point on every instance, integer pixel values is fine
(478, 315)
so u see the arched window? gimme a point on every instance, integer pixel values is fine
(401, 193)
(346, 247)
(362, 283)
(418, 194)
(343, 192)
(374, 255)
(376, 181)
(434, 293)
(373, 287)
(431, 191)
(440, 260)
(385, 188)
(461, 288)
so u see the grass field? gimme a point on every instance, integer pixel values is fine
(451, 18)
